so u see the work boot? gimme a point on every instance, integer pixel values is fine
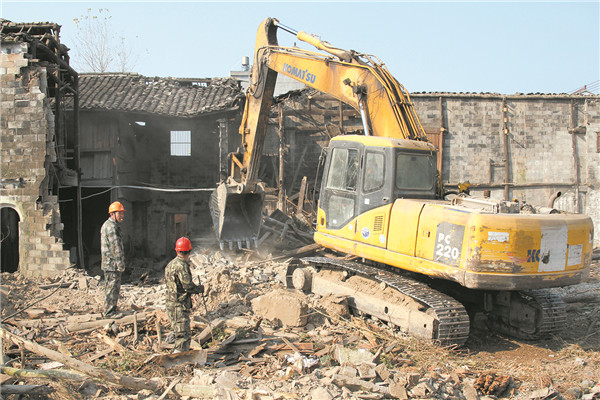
(113, 315)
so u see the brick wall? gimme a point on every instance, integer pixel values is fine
(27, 151)
(541, 159)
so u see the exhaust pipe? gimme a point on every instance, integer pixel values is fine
(553, 198)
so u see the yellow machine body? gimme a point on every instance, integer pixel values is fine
(470, 242)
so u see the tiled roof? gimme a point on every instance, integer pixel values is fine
(162, 96)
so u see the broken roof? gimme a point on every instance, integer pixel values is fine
(17, 31)
(176, 97)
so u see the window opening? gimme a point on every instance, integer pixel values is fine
(181, 143)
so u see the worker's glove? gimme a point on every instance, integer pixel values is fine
(199, 289)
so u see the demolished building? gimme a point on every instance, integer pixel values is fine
(527, 147)
(72, 143)
(36, 84)
(153, 144)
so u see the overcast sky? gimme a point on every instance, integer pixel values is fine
(503, 47)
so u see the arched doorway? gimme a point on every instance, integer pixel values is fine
(9, 253)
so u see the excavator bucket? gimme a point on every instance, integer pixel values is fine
(236, 216)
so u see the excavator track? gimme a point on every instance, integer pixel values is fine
(452, 318)
(530, 315)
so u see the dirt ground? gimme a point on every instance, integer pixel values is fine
(565, 366)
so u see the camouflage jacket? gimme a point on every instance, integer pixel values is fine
(113, 255)
(180, 286)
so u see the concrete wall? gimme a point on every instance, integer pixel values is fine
(27, 151)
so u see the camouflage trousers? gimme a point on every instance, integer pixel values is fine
(111, 290)
(180, 325)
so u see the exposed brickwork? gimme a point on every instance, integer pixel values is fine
(27, 151)
(541, 156)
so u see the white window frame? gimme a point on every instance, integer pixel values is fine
(181, 143)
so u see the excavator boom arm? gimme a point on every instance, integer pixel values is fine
(355, 79)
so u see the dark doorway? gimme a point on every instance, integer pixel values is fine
(177, 226)
(9, 253)
(94, 211)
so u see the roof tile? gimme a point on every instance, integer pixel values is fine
(164, 96)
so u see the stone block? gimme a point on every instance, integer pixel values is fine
(40, 249)
(21, 63)
(56, 247)
(290, 308)
(59, 261)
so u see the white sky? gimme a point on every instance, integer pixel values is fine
(503, 47)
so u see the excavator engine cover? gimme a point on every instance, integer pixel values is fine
(236, 215)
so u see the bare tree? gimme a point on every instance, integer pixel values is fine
(98, 48)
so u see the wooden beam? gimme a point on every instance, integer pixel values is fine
(95, 372)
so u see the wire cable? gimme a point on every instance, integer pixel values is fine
(175, 190)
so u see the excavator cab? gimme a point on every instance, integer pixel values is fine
(363, 173)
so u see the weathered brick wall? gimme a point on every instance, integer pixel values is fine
(27, 151)
(541, 159)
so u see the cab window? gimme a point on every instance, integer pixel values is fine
(415, 171)
(343, 171)
(374, 172)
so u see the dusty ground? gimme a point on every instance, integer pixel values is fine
(567, 365)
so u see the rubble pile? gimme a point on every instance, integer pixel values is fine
(254, 339)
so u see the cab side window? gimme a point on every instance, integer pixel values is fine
(341, 187)
(374, 172)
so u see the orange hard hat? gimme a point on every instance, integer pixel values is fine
(183, 244)
(116, 206)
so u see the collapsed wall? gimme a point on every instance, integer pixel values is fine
(27, 150)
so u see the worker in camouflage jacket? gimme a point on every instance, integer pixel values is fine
(180, 287)
(113, 258)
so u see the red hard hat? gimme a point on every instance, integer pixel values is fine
(116, 206)
(183, 244)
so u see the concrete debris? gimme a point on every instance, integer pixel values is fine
(470, 392)
(286, 307)
(347, 356)
(267, 342)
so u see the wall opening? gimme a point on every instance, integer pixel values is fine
(177, 226)
(9, 252)
(94, 211)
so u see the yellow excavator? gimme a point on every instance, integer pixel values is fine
(421, 261)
